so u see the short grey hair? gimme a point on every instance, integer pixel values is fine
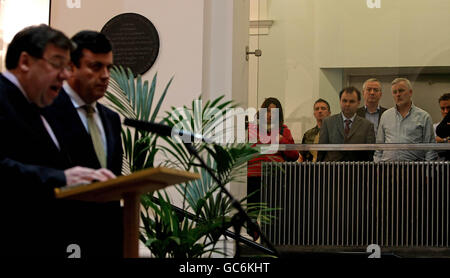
(400, 79)
(371, 80)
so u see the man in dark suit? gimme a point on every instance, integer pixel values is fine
(32, 162)
(346, 128)
(372, 110)
(91, 134)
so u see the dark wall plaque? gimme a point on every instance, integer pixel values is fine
(135, 41)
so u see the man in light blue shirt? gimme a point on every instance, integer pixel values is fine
(405, 123)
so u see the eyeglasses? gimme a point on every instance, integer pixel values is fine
(58, 64)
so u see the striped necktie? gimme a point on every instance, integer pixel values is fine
(95, 135)
(347, 127)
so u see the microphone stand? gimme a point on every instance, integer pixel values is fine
(241, 216)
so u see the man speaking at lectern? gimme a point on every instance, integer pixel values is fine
(32, 161)
(90, 133)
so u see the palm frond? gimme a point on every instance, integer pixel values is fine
(165, 232)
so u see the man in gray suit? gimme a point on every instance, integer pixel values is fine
(347, 128)
(372, 110)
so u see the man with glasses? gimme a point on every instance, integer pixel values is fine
(32, 161)
(372, 110)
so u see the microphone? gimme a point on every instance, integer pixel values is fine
(241, 216)
(165, 130)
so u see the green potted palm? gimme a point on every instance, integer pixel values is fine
(167, 232)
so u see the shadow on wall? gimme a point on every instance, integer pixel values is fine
(437, 84)
(302, 118)
(298, 123)
(331, 82)
(439, 58)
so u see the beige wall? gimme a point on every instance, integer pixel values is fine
(312, 41)
(202, 45)
(180, 28)
(180, 25)
(31, 12)
(400, 33)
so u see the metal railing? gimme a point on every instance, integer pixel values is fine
(355, 204)
(358, 147)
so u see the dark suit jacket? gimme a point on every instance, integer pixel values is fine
(31, 166)
(72, 135)
(100, 225)
(332, 132)
(443, 128)
(362, 112)
(443, 131)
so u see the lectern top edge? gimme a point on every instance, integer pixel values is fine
(158, 177)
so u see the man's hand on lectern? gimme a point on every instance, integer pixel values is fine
(82, 175)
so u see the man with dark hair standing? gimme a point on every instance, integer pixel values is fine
(89, 130)
(321, 111)
(443, 130)
(372, 110)
(444, 105)
(32, 162)
(90, 133)
(346, 128)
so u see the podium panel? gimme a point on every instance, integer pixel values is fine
(129, 188)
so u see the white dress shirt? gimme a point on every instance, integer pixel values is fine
(11, 77)
(352, 119)
(78, 103)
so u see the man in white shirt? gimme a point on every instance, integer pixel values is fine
(89, 130)
(90, 133)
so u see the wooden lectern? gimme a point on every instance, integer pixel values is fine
(129, 188)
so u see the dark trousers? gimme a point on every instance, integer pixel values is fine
(254, 186)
